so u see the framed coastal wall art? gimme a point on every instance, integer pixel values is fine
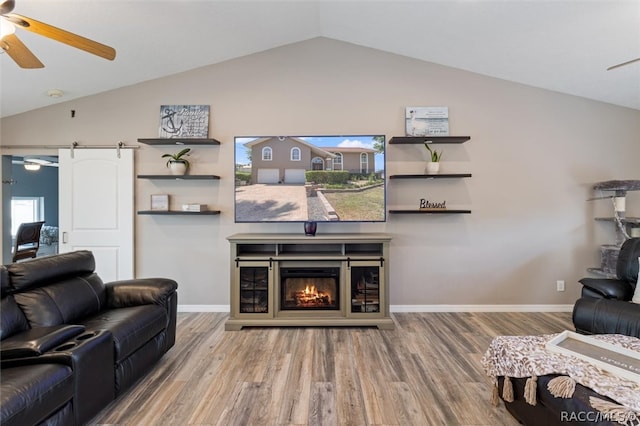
(426, 121)
(184, 121)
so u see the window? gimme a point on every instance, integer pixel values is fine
(295, 154)
(364, 163)
(25, 209)
(267, 153)
(337, 161)
(317, 163)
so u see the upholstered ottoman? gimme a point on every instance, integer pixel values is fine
(541, 387)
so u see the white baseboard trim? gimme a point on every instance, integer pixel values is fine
(481, 308)
(203, 308)
(420, 308)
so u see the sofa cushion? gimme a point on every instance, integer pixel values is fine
(64, 301)
(32, 393)
(131, 327)
(12, 319)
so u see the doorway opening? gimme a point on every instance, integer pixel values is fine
(30, 194)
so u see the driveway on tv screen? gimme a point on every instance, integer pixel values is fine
(271, 202)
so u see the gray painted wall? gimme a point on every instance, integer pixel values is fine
(534, 155)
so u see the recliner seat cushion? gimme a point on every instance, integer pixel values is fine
(29, 394)
(131, 327)
(604, 316)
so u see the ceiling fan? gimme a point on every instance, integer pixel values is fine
(623, 64)
(17, 50)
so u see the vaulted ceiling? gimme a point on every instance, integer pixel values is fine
(560, 45)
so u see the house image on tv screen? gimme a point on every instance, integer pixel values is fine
(285, 160)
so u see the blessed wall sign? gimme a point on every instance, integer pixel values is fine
(432, 205)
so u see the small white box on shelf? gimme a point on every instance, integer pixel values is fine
(194, 207)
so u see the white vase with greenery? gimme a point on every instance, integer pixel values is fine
(433, 165)
(177, 164)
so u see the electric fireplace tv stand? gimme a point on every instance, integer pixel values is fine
(297, 280)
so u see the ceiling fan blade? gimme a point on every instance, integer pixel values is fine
(623, 64)
(19, 52)
(62, 36)
(7, 6)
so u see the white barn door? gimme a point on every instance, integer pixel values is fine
(96, 208)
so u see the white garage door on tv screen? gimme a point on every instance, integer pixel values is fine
(310, 178)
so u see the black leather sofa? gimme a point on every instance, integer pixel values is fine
(71, 344)
(604, 308)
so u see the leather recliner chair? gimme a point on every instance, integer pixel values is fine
(605, 306)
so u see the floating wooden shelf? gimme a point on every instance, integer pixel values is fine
(633, 221)
(618, 185)
(428, 139)
(178, 141)
(179, 212)
(434, 211)
(181, 177)
(438, 176)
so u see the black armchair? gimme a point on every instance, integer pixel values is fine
(27, 241)
(605, 306)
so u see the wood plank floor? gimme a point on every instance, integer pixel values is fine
(425, 372)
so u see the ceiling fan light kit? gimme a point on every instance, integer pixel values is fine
(6, 28)
(17, 50)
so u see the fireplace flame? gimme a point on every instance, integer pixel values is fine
(309, 293)
(311, 296)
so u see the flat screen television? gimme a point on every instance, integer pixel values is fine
(310, 178)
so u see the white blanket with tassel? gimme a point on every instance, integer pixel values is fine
(526, 356)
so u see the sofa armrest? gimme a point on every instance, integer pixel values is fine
(143, 291)
(37, 341)
(608, 288)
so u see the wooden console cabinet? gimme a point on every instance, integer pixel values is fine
(361, 262)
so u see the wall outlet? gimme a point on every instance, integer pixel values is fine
(560, 285)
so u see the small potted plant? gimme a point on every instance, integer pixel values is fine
(433, 165)
(177, 164)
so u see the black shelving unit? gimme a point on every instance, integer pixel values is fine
(397, 140)
(178, 141)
